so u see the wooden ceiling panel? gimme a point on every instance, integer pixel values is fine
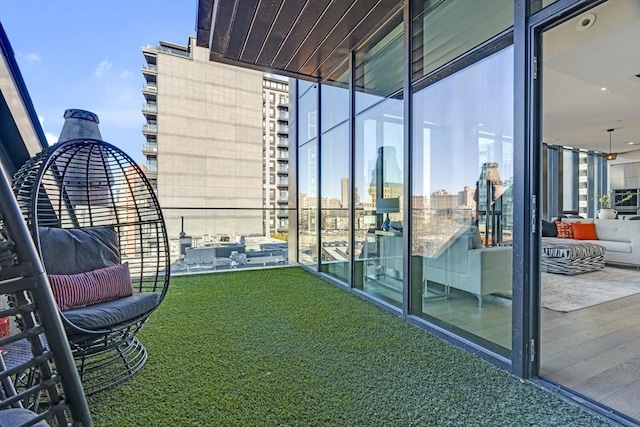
(203, 22)
(245, 11)
(222, 27)
(299, 38)
(286, 18)
(305, 25)
(264, 17)
(361, 21)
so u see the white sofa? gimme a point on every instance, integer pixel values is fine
(462, 263)
(620, 239)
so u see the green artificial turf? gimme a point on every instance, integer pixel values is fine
(282, 347)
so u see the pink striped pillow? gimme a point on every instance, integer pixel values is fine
(92, 287)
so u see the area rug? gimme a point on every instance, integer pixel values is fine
(569, 293)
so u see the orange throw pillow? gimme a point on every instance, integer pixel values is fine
(564, 230)
(584, 231)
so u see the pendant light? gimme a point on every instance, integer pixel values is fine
(610, 155)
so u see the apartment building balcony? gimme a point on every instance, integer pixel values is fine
(283, 213)
(283, 143)
(151, 173)
(283, 130)
(283, 157)
(149, 88)
(149, 129)
(283, 105)
(283, 170)
(282, 200)
(282, 229)
(150, 110)
(283, 117)
(150, 69)
(282, 183)
(149, 148)
(150, 54)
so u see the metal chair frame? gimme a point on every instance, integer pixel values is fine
(37, 369)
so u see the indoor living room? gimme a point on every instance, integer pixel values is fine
(590, 245)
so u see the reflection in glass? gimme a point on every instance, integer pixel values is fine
(308, 115)
(462, 214)
(379, 66)
(378, 198)
(307, 204)
(335, 103)
(444, 30)
(334, 216)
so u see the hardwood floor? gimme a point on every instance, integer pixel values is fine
(596, 352)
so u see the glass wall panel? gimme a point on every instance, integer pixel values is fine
(444, 30)
(335, 104)
(379, 200)
(379, 66)
(308, 115)
(462, 216)
(307, 204)
(334, 214)
(378, 171)
(304, 86)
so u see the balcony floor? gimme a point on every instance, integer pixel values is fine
(283, 347)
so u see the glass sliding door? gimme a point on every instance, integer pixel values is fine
(589, 293)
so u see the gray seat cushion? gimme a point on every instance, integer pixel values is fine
(17, 417)
(111, 313)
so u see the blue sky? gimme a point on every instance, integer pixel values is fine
(86, 54)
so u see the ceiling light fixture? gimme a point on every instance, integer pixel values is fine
(610, 155)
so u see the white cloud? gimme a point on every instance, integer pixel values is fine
(51, 138)
(125, 74)
(103, 68)
(29, 57)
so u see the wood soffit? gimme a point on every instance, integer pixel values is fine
(306, 39)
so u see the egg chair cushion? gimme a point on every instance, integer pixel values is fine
(78, 250)
(107, 314)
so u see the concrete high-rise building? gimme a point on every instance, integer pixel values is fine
(275, 139)
(216, 144)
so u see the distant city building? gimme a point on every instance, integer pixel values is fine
(217, 141)
(275, 139)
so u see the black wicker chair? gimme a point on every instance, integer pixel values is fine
(89, 207)
(39, 383)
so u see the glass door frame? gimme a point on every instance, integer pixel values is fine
(528, 32)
